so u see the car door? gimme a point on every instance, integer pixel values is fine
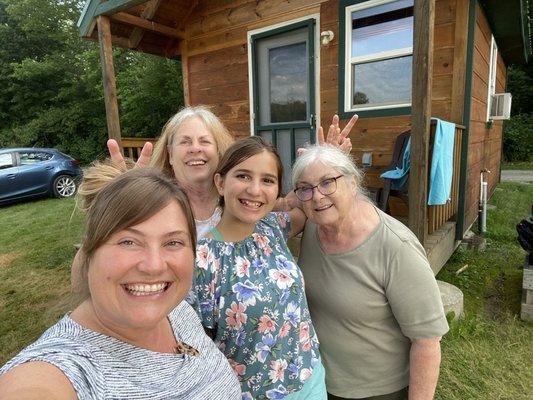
(35, 170)
(8, 174)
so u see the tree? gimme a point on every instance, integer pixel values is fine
(51, 91)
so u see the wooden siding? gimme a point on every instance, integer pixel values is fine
(377, 135)
(216, 58)
(217, 54)
(484, 151)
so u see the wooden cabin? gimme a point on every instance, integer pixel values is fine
(280, 68)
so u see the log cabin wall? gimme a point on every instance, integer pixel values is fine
(485, 142)
(215, 60)
(216, 56)
(378, 134)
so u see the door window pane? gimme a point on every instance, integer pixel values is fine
(266, 136)
(382, 82)
(288, 83)
(302, 137)
(283, 141)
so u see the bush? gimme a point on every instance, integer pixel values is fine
(518, 138)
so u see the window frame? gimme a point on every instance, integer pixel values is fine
(346, 7)
(493, 72)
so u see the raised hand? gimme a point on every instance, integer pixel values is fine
(118, 159)
(337, 137)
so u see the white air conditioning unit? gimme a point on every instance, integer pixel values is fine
(500, 106)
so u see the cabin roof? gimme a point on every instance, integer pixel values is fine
(510, 26)
(150, 26)
(157, 26)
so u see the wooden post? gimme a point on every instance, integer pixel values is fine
(424, 22)
(108, 78)
(184, 50)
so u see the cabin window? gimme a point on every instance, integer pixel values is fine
(492, 74)
(378, 54)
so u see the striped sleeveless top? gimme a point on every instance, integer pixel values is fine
(102, 367)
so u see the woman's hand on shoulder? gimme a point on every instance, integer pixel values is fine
(36, 380)
(118, 158)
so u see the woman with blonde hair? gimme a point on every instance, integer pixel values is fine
(189, 148)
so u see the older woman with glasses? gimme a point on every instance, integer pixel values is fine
(372, 295)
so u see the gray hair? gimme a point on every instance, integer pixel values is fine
(331, 157)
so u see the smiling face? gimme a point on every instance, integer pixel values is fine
(142, 272)
(327, 209)
(250, 188)
(193, 153)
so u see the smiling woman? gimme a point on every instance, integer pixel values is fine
(133, 336)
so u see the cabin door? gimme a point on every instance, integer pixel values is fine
(283, 74)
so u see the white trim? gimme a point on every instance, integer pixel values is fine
(384, 107)
(368, 4)
(493, 67)
(349, 60)
(384, 55)
(316, 17)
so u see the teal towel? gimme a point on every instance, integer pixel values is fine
(398, 176)
(440, 177)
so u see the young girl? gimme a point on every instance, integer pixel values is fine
(249, 290)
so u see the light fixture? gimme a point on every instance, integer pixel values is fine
(326, 37)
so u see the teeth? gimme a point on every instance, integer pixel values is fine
(249, 203)
(323, 208)
(138, 289)
(196, 162)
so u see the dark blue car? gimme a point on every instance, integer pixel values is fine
(30, 172)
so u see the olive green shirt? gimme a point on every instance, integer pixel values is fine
(367, 304)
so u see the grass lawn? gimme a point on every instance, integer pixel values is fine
(486, 355)
(523, 165)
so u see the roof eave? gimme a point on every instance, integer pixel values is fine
(94, 8)
(509, 22)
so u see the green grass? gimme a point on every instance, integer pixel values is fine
(518, 165)
(36, 242)
(486, 355)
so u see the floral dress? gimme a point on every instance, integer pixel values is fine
(251, 294)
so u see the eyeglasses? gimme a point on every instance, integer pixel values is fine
(325, 187)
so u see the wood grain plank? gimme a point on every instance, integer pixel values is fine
(423, 36)
(108, 78)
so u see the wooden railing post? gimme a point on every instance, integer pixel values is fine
(108, 79)
(424, 21)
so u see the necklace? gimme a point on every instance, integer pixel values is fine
(185, 349)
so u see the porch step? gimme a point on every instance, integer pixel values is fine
(452, 298)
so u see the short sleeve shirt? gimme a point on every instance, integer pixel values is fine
(103, 367)
(368, 304)
(251, 293)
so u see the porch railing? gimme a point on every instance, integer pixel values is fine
(132, 146)
(439, 215)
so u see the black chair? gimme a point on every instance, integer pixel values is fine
(382, 199)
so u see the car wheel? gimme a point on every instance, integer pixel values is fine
(64, 186)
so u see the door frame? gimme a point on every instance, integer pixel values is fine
(251, 73)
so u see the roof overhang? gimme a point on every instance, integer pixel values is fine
(509, 21)
(141, 25)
